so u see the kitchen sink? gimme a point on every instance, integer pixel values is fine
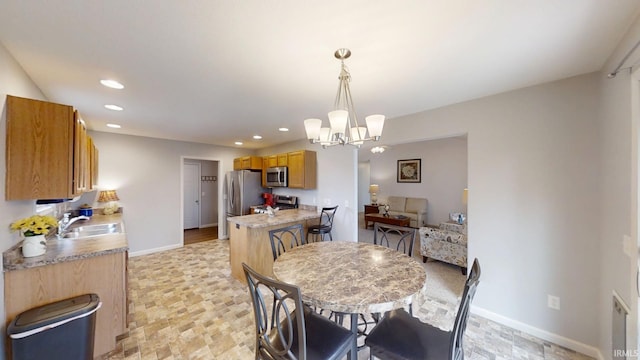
(92, 230)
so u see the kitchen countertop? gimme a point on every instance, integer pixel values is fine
(62, 250)
(281, 217)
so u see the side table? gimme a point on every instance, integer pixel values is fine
(370, 209)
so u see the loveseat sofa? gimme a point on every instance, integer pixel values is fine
(413, 208)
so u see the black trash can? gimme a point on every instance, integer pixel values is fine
(63, 330)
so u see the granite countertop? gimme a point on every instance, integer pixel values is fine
(62, 250)
(351, 277)
(281, 217)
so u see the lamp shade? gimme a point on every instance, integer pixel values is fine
(375, 123)
(312, 127)
(374, 188)
(108, 195)
(338, 121)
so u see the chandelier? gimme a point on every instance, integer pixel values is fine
(344, 128)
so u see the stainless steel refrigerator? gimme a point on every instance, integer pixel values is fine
(244, 189)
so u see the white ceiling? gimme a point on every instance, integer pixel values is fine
(216, 71)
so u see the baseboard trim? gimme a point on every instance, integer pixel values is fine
(542, 334)
(208, 225)
(155, 250)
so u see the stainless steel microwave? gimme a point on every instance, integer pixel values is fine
(277, 176)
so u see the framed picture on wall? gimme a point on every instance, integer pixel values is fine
(409, 171)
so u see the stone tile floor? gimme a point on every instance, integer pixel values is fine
(184, 304)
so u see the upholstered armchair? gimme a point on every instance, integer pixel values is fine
(448, 243)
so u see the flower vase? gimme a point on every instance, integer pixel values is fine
(34, 245)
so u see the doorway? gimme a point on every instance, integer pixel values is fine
(200, 193)
(191, 196)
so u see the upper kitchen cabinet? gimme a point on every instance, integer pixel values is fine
(271, 161)
(276, 160)
(48, 154)
(247, 163)
(283, 159)
(302, 169)
(93, 163)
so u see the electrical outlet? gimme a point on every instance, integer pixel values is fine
(553, 302)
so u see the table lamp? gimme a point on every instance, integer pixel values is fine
(110, 197)
(373, 190)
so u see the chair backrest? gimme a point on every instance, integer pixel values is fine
(460, 324)
(326, 217)
(277, 337)
(386, 235)
(290, 236)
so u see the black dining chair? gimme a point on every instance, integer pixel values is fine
(401, 336)
(400, 238)
(324, 226)
(294, 332)
(387, 235)
(290, 236)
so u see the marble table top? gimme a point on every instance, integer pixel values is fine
(351, 277)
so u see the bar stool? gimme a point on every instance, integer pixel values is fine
(325, 225)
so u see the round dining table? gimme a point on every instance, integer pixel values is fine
(350, 277)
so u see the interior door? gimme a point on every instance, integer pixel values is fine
(191, 196)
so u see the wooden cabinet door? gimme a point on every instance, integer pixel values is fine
(245, 162)
(92, 152)
(302, 169)
(295, 162)
(265, 165)
(272, 161)
(80, 156)
(282, 160)
(48, 151)
(237, 164)
(40, 149)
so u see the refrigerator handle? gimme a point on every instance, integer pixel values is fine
(232, 195)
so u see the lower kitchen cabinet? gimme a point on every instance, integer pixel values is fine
(104, 275)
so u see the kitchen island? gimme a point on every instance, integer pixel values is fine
(249, 238)
(69, 268)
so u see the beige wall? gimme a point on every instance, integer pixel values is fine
(533, 202)
(618, 130)
(147, 173)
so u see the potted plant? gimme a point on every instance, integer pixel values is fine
(34, 229)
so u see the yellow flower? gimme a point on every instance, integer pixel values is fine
(34, 225)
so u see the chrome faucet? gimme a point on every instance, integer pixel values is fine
(65, 222)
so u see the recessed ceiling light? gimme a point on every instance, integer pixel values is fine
(283, 129)
(113, 107)
(238, 143)
(112, 84)
(114, 126)
(257, 137)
